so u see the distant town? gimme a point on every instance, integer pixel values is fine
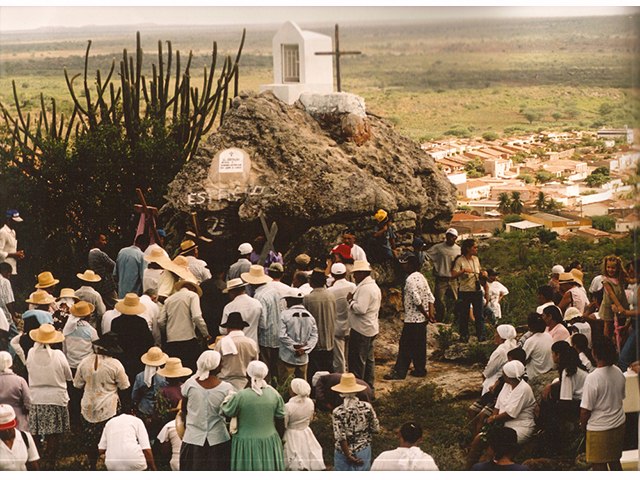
(572, 183)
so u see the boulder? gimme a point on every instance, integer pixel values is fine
(313, 172)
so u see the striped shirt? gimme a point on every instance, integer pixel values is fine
(269, 326)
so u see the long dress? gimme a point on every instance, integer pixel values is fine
(301, 449)
(256, 445)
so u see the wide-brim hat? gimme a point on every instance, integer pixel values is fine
(173, 369)
(180, 266)
(89, 276)
(158, 255)
(186, 283)
(348, 384)
(46, 334)
(130, 305)
(233, 284)
(40, 297)
(577, 275)
(46, 280)
(82, 309)
(567, 277)
(109, 343)
(154, 357)
(235, 320)
(361, 266)
(256, 276)
(187, 246)
(67, 293)
(7, 417)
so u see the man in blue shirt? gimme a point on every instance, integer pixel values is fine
(298, 337)
(130, 266)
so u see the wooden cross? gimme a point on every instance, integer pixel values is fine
(151, 215)
(269, 235)
(337, 53)
(195, 235)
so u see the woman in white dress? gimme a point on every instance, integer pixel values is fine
(301, 449)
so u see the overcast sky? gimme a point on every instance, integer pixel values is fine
(78, 14)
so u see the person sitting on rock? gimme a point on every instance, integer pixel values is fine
(383, 242)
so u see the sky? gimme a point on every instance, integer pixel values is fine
(20, 16)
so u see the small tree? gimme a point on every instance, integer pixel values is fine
(505, 204)
(541, 201)
(542, 176)
(606, 223)
(516, 204)
(531, 116)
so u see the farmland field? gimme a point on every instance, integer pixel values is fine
(430, 79)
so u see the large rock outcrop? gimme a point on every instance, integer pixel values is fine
(312, 174)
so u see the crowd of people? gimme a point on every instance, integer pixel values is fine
(155, 357)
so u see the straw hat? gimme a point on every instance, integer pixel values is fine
(174, 369)
(380, 215)
(46, 280)
(68, 293)
(130, 305)
(187, 246)
(7, 417)
(82, 309)
(348, 384)
(186, 283)
(46, 334)
(180, 266)
(158, 255)
(577, 275)
(256, 276)
(233, 284)
(567, 278)
(154, 357)
(89, 276)
(361, 266)
(40, 297)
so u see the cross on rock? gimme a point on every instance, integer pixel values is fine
(337, 53)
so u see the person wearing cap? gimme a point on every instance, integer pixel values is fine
(179, 319)
(269, 324)
(364, 307)
(257, 446)
(340, 289)
(146, 386)
(14, 391)
(101, 376)
(495, 292)
(130, 267)
(206, 444)
(572, 294)
(554, 281)
(321, 304)
(125, 444)
(134, 336)
(243, 264)
(418, 310)
(442, 256)
(103, 265)
(383, 238)
(515, 407)
(18, 450)
(298, 337)
(408, 456)
(502, 448)
(354, 423)
(49, 373)
(89, 294)
(236, 350)
(249, 307)
(301, 448)
(9, 252)
(198, 267)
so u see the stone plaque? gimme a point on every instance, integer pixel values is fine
(231, 166)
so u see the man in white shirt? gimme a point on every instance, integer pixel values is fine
(495, 293)
(340, 289)
(8, 241)
(151, 314)
(408, 456)
(364, 306)
(538, 348)
(250, 308)
(18, 450)
(125, 443)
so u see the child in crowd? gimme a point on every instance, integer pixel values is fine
(614, 294)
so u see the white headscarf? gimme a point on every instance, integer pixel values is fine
(227, 345)
(42, 346)
(513, 369)
(5, 362)
(317, 375)
(149, 372)
(207, 361)
(257, 370)
(350, 399)
(508, 333)
(301, 388)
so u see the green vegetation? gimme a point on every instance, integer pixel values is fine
(598, 177)
(474, 168)
(606, 223)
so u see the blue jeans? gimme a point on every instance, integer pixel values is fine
(341, 464)
(628, 353)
